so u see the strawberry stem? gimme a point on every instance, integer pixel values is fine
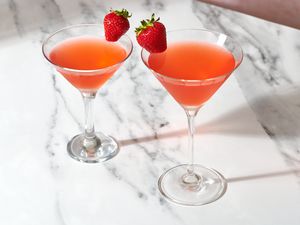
(145, 24)
(122, 12)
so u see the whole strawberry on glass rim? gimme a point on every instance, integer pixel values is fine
(116, 24)
(151, 35)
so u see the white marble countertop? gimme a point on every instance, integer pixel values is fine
(249, 131)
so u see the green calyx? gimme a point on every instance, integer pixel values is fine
(122, 12)
(145, 24)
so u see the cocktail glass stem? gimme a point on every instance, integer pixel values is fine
(90, 140)
(190, 179)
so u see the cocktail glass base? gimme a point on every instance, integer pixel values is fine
(210, 185)
(105, 148)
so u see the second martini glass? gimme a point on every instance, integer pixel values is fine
(195, 65)
(82, 55)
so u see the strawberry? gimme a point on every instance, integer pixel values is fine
(116, 24)
(151, 35)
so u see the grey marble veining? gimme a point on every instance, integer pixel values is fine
(249, 131)
(269, 84)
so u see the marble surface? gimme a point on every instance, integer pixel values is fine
(249, 131)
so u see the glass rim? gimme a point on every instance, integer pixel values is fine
(82, 70)
(222, 76)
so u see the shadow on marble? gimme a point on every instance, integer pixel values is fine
(279, 115)
(280, 124)
(263, 175)
(228, 124)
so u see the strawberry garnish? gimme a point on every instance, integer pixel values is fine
(151, 35)
(116, 24)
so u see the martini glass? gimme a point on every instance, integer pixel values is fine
(82, 55)
(195, 65)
